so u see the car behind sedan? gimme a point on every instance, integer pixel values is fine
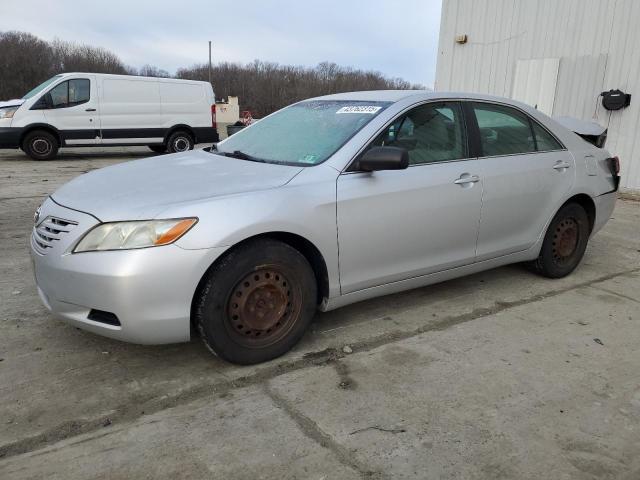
(327, 202)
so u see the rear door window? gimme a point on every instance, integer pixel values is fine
(503, 130)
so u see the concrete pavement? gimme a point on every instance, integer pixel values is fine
(496, 375)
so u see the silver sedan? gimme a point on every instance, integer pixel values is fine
(324, 203)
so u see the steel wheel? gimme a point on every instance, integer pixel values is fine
(262, 307)
(564, 243)
(41, 146)
(179, 142)
(565, 240)
(256, 301)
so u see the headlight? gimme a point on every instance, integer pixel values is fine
(8, 112)
(134, 234)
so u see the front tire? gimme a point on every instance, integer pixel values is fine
(40, 145)
(179, 142)
(564, 243)
(257, 302)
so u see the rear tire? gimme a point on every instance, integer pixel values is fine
(256, 302)
(40, 145)
(564, 243)
(157, 148)
(179, 142)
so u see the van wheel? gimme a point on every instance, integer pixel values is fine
(40, 145)
(157, 148)
(564, 243)
(256, 303)
(179, 142)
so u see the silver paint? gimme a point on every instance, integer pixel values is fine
(378, 233)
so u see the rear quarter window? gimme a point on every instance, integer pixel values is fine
(544, 140)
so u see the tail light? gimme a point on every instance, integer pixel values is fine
(614, 164)
(614, 167)
(213, 116)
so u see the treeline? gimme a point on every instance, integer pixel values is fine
(26, 61)
(264, 87)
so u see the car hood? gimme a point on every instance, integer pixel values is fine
(145, 188)
(12, 103)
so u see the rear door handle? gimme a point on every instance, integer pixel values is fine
(90, 110)
(561, 166)
(465, 179)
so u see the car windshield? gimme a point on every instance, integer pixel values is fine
(41, 87)
(304, 134)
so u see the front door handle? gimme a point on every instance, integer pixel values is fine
(561, 166)
(466, 179)
(90, 110)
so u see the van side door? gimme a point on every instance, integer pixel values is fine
(130, 111)
(72, 108)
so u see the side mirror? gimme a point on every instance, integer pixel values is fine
(384, 158)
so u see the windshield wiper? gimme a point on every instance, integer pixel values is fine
(243, 156)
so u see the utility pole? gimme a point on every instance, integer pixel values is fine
(209, 61)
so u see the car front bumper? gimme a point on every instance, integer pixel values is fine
(149, 290)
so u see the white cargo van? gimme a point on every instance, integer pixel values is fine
(89, 109)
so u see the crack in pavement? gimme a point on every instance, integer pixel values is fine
(312, 431)
(140, 405)
(2, 199)
(617, 294)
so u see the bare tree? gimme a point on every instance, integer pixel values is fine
(26, 61)
(73, 57)
(152, 71)
(263, 87)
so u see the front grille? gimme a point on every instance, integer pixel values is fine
(49, 231)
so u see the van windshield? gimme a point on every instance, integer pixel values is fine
(41, 87)
(304, 134)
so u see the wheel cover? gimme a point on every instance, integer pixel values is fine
(181, 144)
(41, 146)
(565, 240)
(263, 307)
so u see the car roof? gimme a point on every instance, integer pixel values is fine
(132, 77)
(398, 95)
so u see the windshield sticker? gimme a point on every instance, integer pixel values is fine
(359, 109)
(310, 158)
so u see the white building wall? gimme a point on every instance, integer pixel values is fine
(597, 43)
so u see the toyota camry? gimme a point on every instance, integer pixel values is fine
(327, 202)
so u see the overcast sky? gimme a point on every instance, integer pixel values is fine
(400, 39)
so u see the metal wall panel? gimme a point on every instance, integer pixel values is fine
(597, 42)
(535, 82)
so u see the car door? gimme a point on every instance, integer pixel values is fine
(394, 225)
(526, 174)
(72, 108)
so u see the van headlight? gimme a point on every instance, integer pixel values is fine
(7, 112)
(134, 234)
